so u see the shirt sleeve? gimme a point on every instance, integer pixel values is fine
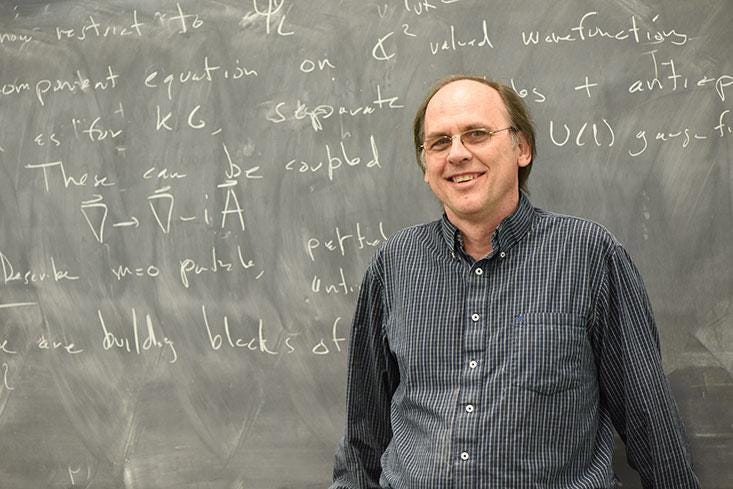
(372, 379)
(633, 386)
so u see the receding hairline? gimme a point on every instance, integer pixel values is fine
(472, 80)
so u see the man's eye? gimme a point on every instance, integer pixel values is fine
(476, 135)
(440, 143)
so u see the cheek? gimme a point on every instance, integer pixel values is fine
(432, 175)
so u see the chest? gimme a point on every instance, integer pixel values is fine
(518, 318)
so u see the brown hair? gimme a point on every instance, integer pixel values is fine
(515, 107)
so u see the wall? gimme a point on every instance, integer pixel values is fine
(191, 191)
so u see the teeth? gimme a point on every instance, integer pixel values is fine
(463, 178)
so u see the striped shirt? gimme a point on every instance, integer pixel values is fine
(509, 372)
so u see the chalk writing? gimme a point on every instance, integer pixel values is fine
(586, 29)
(43, 87)
(69, 180)
(684, 136)
(723, 126)
(453, 41)
(134, 222)
(137, 344)
(339, 243)
(52, 344)
(208, 73)
(674, 80)
(586, 86)
(30, 276)
(321, 348)
(191, 192)
(162, 174)
(161, 205)
(95, 213)
(17, 304)
(325, 111)
(537, 96)
(188, 266)
(252, 343)
(602, 133)
(334, 161)
(420, 7)
(74, 474)
(6, 380)
(120, 272)
(380, 52)
(234, 170)
(42, 139)
(95, 132)
(271, 15)
(11, 37)
(92, 29)
(184, 22)
(231, 205)
(341, 287)
(4, 348)
(309, 66)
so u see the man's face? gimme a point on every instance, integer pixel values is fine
(473, 185)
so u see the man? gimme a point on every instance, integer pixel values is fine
(500, 345)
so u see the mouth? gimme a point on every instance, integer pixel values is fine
(466, 177)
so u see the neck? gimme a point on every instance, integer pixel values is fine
(477, 240)
(477, 232)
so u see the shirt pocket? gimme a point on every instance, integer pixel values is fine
(550, 352)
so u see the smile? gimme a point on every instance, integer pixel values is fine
(464, 178)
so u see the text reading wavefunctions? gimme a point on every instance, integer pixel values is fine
(589, 27)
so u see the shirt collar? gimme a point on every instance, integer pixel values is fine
(509, 232)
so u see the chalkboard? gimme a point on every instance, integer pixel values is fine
(191, 192)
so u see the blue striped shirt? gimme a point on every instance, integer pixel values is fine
(508, 372)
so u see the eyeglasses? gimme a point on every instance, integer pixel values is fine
(471, 139)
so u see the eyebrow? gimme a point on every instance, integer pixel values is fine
(467, 127)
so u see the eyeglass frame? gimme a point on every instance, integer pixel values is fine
(460, 135)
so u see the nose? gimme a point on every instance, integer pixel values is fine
(458, 151)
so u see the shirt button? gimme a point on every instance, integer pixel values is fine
(475, 317)
(473, 364)
(464, 455)
(479, 271)
(469, 408)
(502, 254)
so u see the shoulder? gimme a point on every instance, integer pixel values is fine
(411, 236)
(407, 244)
(574, 231)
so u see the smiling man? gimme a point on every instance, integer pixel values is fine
(500, 345)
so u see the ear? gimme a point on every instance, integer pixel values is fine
(423, 168)
(524, 150)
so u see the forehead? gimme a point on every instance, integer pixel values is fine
(464, 103)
